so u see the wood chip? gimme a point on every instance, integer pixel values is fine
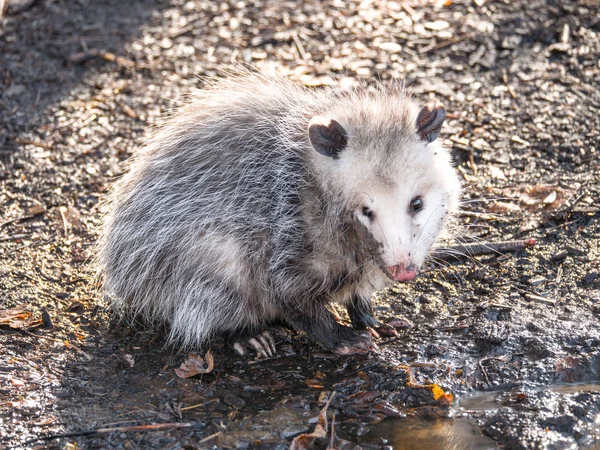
(195, 365)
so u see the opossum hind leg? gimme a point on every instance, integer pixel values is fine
(262, 343)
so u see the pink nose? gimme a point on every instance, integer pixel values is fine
(402, 272)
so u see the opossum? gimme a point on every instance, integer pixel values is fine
(261, 202)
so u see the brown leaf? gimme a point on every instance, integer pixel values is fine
(303, 441)
(569, 369)
(532, 198)
(19, 318)
(195, 365)
(35, 210)
(387, 410)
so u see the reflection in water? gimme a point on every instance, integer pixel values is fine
(576, 387)
(414, 433)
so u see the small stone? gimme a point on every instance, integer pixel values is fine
(234, 401)
(390, 47)
(437, 25)
(536, 281)
(560, 256)
(63, 393)
(15, 90)
(590, 277)
(574, 250)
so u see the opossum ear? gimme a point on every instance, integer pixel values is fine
(327, 136)
(430, 121)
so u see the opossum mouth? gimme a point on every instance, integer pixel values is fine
(401, 272)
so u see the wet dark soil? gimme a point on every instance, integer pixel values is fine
(503, 350)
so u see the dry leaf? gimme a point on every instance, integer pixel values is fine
(19, 318)
(532, 198)
(550, 197)
(35, 210)
(44, 422)
(439, 395)
(129, 360)
(195, 365)
(17, 382)
(445, 398)
(304, 441)
(569, 369)
(70, 217)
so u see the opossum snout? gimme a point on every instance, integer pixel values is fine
(402, 272)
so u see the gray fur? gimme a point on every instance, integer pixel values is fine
(229, 220)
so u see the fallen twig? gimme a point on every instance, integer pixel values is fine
(299, 46)
(14, 237)
(540, 299)
(148, 427)
(482, 248)
(32, 212)
(446, 43)
(262, 360)
(208, 438)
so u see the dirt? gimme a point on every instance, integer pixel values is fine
(499, 350)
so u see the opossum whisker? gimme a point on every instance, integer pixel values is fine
(424, 227)
(462, 255)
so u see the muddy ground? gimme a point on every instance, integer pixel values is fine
(499, 350)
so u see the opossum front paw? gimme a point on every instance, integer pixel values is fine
(361, 316)
(383, 330)
(359, 342)
(263, 344)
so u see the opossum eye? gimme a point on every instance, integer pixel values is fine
(416, 204)
(367, 212)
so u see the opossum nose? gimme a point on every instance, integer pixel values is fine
(402, 272)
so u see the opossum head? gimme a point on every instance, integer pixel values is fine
(396, 182)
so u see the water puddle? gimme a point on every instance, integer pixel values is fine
(442, 434)
(582, 387)
(460, 433)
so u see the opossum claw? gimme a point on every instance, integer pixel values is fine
(268, 341)
(263, 344)
(258, 347)
(239, 348)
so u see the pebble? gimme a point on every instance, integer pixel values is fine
(536, 281)
(590, 277)
(559, 256)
